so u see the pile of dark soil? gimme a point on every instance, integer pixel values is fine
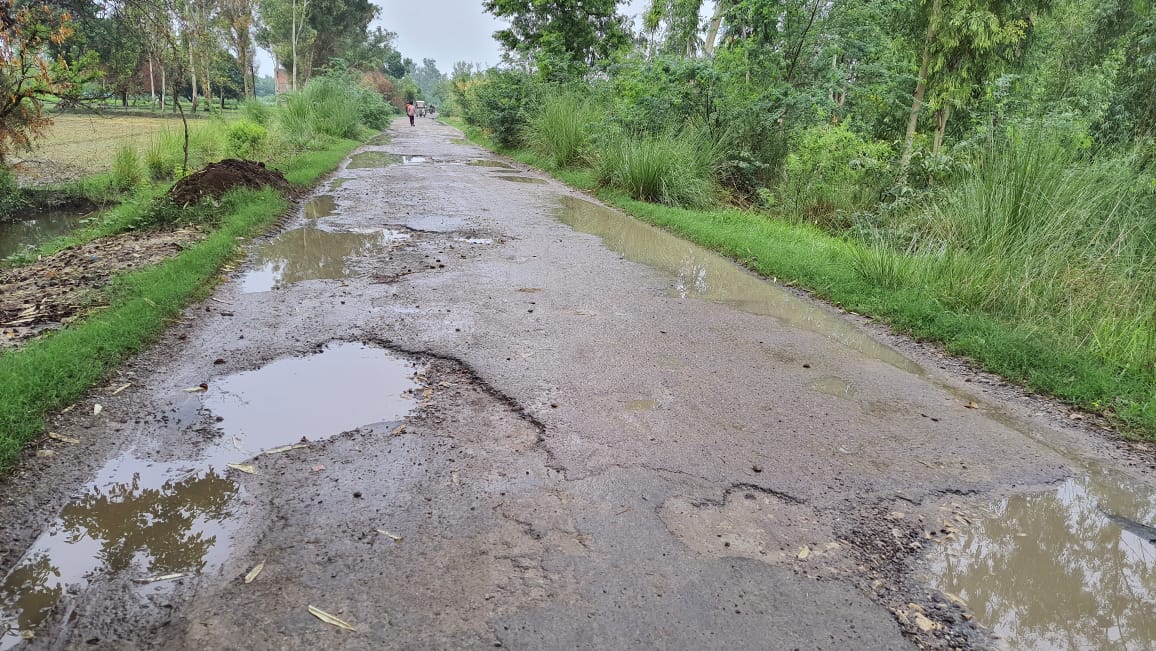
(216, 179)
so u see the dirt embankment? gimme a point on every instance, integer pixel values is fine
(215, 179)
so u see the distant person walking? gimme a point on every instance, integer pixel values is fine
(409, 112)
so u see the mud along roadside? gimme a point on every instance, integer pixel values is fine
(597, 438)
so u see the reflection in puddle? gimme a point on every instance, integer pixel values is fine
(312, 254)
(344, 387)
(323, 205)
(150, 519)
(520, 179)
(484, 162)
(432, 223)
(16, 236)
(336, 184)
(368, 159)
(703, 274)
(1068, 569)
(833, 386)
(415, 160)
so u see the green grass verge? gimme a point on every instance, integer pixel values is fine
(805, 256)
(52, 372)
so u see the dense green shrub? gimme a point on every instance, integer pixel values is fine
(832, 171)
(500, 102)
(246, 138)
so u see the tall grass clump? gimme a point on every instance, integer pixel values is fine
(126, 169)
(257, 112)
(1062, 242)
(560, 130)
(674, 168)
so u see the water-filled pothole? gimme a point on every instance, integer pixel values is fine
(312, 254)
(700, 273)
(485, 162)
(322, 205)
(520, 179)
(345, 386)
(153, 520)
(833, 386)
(371, 159)
(432, 223)
(1072, 568)
(415, 160)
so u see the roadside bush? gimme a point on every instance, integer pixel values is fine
(246, 138)
(560, 129)
(830, 172)
(500, 102)
(126, 169)
(372, 109)
(257, 112)
(675, 168)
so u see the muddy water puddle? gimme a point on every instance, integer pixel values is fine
(157, 522)
(372, 159)
(323, 205)
(345, 386)
(1069, 568)
(313, 253)
(38, 228)
(483, 162)
(700, 273)
(520, 179)
(834, 386)
(150, 520)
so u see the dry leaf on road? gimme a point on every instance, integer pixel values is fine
(254, 572)
(243, 467)
(330, 619)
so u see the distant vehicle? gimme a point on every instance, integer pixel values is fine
(419, 108)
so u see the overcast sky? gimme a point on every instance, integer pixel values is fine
(446, 31)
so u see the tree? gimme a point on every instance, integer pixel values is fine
(565, 38)
(29, 74)
(236, 17)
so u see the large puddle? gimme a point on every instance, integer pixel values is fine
(323, 205)
(346, 386)
(152, 520)
(40, 227)
(312, 253)
(703, 274)
(372, 159)
(155, 523)
(1072, 568)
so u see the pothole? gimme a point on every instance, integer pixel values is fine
(312, 253)
(520, 179)
(833, 386)
(323, 205)
(372, 159)
(345, 386)
(485, 162)
(700, 273)
(1072, 568)
(156, 521)
(432, 223)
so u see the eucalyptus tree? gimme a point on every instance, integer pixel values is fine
(565, 38)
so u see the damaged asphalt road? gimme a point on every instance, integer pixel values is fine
(454, 404)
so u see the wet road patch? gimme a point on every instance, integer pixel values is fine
(153, 520)
(699, 273)
(1071, 568)
(485, 162)
(372, 159)
(336, 184)
(345, 386)
(416, 160)
(323, 205)
(312, 253)
(520, 179)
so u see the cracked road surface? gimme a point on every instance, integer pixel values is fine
(538, 425)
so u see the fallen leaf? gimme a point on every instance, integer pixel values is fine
(67, 409)
(804, 552)
(149, 301)
(44, 453)
(163, 577)
(392, 536)
(122, 388)
(199, 389)
(529, 290)
(972, 405)
(330, 619)
(243, 467)
(399, 429)
(254, 572)
(62, 438)
(455, 478)
(96, 409)
(285, 448)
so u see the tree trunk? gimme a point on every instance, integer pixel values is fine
(162, 87)
(920, 91)
(941, 117)
(152, 83)
(246, 68)
(720, 7)
(293, 43)
(193, 78)
(206, 82)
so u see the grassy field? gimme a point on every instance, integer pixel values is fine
(78, 146)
